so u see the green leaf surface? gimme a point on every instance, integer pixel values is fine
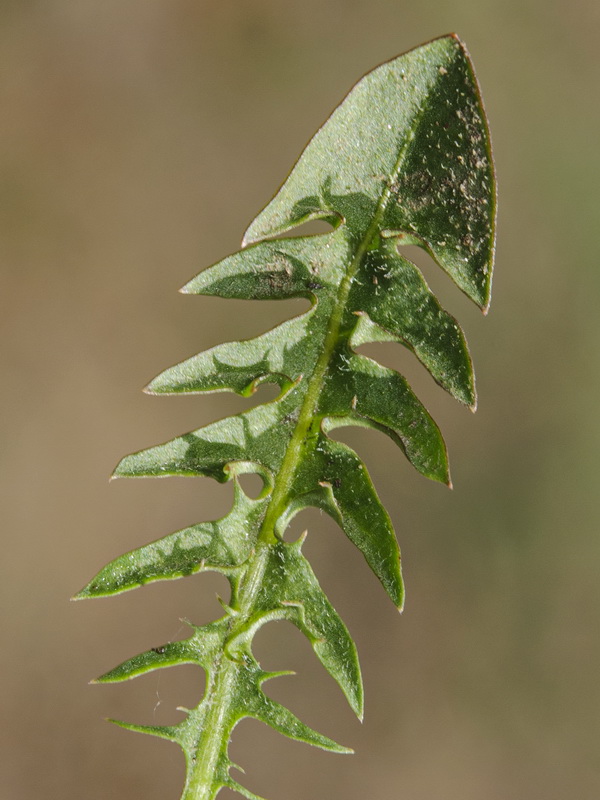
(290, 582)
(405, 159)
(409, 145)
(403, 305)
(217, 546)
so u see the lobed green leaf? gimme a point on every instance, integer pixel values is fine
(405, 159)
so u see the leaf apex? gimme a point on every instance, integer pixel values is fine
(283, 673)
(400, 603)
(151, 388)
(162, 731)
(299, 543)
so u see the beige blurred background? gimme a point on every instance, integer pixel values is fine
(137, 140)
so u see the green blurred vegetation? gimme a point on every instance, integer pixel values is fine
(137, 141)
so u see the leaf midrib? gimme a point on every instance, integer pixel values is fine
(292, 457)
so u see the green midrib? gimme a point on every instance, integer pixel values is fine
(307, 418)
(200, 783)
(217, 726)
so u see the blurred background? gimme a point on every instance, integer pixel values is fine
(137, 141)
